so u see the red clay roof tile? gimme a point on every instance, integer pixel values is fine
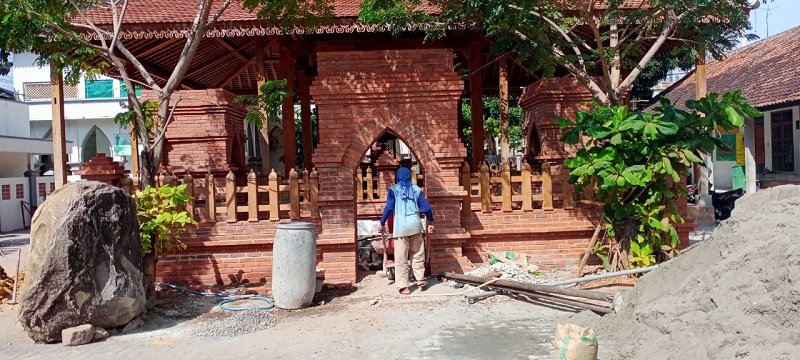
(767, 72)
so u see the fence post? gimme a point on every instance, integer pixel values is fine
(252, 196)
(230, 196)
(505, 176)
(486, 195)
(414, 175)
(294, 195)
(527, 201)
(569, 191)
(359, 184)
(189, 182)
(313, 190)
(126, 184)
(547, 188)
(211, 200)
(466, 182)
(370, 189)
(274, 198)
(307, 189)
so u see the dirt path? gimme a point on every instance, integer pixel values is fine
(346, 327)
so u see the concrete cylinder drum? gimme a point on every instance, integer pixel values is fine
(294, 261)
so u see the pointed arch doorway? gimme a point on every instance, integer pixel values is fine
(95, 142)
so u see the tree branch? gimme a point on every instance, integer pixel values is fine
(557, 29)
(217, 14)
(193, 40)
(670, 23)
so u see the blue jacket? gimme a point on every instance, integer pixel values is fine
(406, 212)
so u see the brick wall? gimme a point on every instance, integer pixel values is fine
(362, 95)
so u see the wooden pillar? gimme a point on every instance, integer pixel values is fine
(750, 156)
(460, 119)
(287, 72)
(476, 104)
(59, 136)
(305, 116)
(261, 78)
(703, 177)
(505, 150)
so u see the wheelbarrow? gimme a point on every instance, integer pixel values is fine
(385, 246)
(387, 243)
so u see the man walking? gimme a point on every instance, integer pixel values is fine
(406, 200)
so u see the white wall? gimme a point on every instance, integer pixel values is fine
(76, 131)
(14, 120)
(11, 217)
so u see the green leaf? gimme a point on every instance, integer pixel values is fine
(667, 128)
(599, 132)
(616, 139)
(733, 117)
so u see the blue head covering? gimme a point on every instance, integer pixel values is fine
(404, 179)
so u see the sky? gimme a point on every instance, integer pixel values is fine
(775, 17)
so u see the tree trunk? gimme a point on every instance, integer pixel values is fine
(626, 232)
(491, 145)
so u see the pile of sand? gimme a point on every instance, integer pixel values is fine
(734, 296)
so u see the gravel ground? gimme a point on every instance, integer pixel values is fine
(513, 272)
(234, 323)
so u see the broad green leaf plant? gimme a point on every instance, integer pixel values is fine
(637, 161)
(161, 218)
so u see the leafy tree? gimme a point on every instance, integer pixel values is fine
(491, 122)
(62, 32)
(633, 159)
(605, 44)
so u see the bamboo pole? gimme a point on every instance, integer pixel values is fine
(519, 286)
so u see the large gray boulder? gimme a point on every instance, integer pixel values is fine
(85, 263)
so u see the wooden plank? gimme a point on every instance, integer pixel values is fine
(59, 136)
(547, 188)
(273, 196)
(230, 196)
(189, 181)
(314, 182)
(486, 200)
(506, 186)
(294, 195)
(233, 50)
(252, 196)
(211, 201)
(527, 201)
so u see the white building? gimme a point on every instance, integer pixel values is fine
(89, 109)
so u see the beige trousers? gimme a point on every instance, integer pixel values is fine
(402, 247)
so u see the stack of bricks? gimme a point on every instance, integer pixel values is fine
(104, 169)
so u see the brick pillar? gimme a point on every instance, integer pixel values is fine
(206, 135)
(103, 169)
(544, 102)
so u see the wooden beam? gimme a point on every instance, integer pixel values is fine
(236, 73)
(305, 116)
(261, 78)
(152, 49)
(217, 60)
(476, 104)
(702, 178)
(59, 136)
(505, 148)
(312, 47)
(233, 50)
(287, 72)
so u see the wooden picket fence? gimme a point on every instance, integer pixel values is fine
(368, 185)
(295, 197)
(498, 188)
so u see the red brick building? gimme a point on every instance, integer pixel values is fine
(365, 87)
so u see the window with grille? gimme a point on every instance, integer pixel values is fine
(123, 91)
(41, 91)
(99, 89)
